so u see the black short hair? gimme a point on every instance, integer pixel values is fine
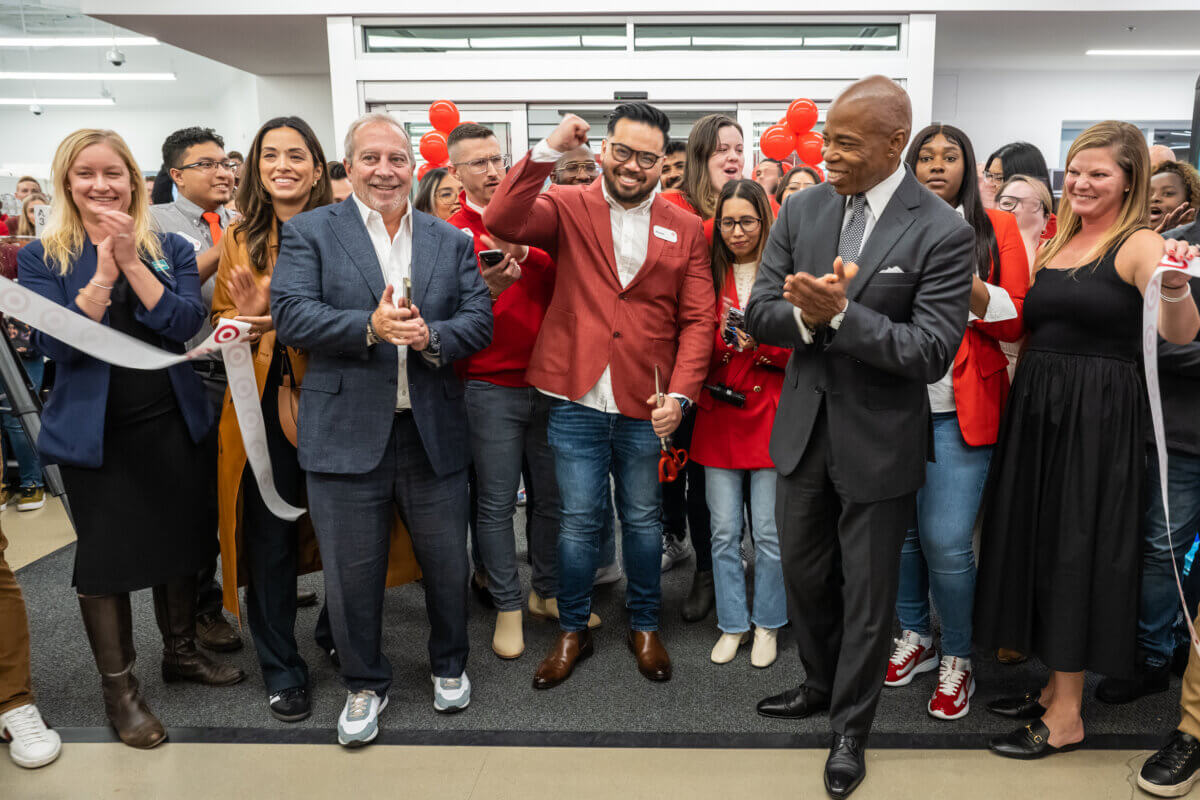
(675, 146)
(774, 161)
(179, 141)
(337, 171)
(643, 113)
(1022, 158)
(468, 130)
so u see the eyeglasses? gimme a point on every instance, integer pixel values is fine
(747, 224)
(579, 168)
(1007, 202)
(480, 165)
(993, 177)
(646, 159)
(208, 165)
(446, 195)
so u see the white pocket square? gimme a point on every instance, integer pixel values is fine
(890, 270)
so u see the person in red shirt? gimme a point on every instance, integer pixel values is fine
(967, 404)
(508, 417)
(733, 431)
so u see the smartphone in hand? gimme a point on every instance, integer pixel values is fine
(490, 258)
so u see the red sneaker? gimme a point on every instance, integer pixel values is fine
(956, 684)
(909, 659)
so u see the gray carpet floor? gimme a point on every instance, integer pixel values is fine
(606, 702)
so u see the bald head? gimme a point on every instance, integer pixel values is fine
(1160, 153)
(866, 130)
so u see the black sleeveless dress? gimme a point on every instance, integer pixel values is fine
(1059, 563)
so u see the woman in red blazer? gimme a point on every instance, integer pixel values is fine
(966, 405)
(733, 427)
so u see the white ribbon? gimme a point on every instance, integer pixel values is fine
(230, 341)
(1153, 299)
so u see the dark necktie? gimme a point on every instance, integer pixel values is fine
(852, 237)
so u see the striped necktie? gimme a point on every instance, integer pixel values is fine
(852, 235)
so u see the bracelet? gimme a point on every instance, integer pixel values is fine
(101, 285)
(1180, 298)
(91, 299)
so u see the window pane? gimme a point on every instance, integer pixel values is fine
(767, 37)
(467, 38)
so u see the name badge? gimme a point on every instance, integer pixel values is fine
(666, 234)
(196, 244)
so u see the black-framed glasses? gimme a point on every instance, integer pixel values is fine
(579, 168)
(1006, 202)
(747, 224)
(208, 165)
(479, 166)
(646, 159)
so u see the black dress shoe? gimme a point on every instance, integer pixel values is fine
(290, 705)
(1149, 679)
(795, 703)
(1025, 706)
(846, 766)
(1173, 770)
(305, 598)
(1030, 742)
(701, 598)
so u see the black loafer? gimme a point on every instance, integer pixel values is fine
(1025, 706)
(795, 703)
(846, 766)
(1028, 743)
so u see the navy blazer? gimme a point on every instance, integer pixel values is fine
(326, 284)
(73, 419)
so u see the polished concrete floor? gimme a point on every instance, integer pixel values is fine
(184, 771)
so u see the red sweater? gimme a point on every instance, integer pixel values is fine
(517, 313)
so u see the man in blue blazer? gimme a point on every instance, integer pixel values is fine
(385, 299)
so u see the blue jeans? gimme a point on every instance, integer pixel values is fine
(937, 555)
(1160, 598)
(723, 488)
(29, 464)
(508, 424)
(588, 446)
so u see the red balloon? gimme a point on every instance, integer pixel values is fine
(443, 115)
(433, 147)
(423, 170)
(776, 142)
(808, 147)
(802, 115)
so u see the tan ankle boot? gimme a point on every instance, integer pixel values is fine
(509, 639)
(765, 648)
(547, 608)
(725, 650)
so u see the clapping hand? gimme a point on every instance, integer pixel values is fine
(119, 227)
(251, 296)
(820, 299)
(401, 326)
(1181, 215)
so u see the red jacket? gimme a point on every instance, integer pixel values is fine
(676, 197)
(517, 314)
(726, 436)
(980, 371)
(663, 317)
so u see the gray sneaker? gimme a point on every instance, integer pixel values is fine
(674, 551)
(359, 720)
(451, 695)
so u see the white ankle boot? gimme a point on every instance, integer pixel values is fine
(32, 743)
(509, 639)
(763, 653)
(727, 646)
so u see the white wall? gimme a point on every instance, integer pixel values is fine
(997, 107)
(304, 96)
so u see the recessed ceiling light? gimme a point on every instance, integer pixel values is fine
(57, 101)
(87, 76)
(1169, 53)
(77, 41)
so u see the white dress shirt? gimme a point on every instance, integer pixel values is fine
(631, 240)
(395, 261)
(878, 197)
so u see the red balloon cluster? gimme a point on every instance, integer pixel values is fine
(794, 133)
(443, 116)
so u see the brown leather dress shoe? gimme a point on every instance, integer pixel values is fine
(569, 649)
(652, 659)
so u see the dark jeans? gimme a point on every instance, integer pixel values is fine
(1160, 598)
(352, 515)
(508, 425)
(684, 505)
(588, 446)
(28, 463)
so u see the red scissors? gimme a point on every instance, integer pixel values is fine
(672, 459)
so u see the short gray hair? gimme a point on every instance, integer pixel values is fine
(370, 118)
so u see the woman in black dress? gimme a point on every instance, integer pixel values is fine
(129, 442)
(1059, 554)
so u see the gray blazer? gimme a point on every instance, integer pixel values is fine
(326, 284)
(900, 333)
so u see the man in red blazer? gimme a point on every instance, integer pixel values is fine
(633, 292)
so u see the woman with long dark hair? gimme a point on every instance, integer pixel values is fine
(284, 175)
(966, 405)
(797, 179)
(438, 194)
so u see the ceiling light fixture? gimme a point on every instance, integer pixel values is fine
(77, 41)
(87, 76)
(1167, 53)
(57, 101)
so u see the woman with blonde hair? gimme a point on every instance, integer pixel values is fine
(1027, 199)
(26, 225)
(120, 433)
(1059, 561)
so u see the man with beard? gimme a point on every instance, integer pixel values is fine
(576, 168)
(633, 296)
(674, 166)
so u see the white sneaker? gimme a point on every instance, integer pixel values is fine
(674, 551)
(913, 655)
(31, 743)
(727, 646)
(609, 574)
(451, 695)
(765, 648)
(956, 684)
(359, 720)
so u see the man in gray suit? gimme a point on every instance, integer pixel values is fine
(383, 424)
(867, 277)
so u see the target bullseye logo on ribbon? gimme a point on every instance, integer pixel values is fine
(231, 341)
